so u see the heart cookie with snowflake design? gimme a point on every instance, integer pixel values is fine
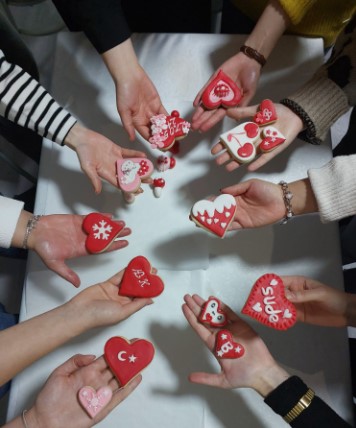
(268, 305)
(271, 138)
(127, 358)
(166, 130)
(226, 347)
(139, 281)
(130, 172)
(266, 113)
(212, 313)
(240, 141)
(214, 216)
(101, 230)
(94, 401)
(221, 91)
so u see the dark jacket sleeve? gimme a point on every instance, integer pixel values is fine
(317, 414)
(102, 21)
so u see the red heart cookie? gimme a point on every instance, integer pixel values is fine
(272, 139)
(127, 358)
(226, 347)
(266, 113)
(101, 231)
(268, 305)
(94, 401)
(212, 313)
(214, 216)
(221, 91)
(130, 172)
(138, 281)
(167, 129)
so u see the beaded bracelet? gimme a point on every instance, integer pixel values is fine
(253, 54)
(31, 224)
(287, 197)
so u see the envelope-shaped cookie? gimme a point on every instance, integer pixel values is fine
(240, 141)
(130, 172)
(166, 130)
(226, 347)
(221, 91)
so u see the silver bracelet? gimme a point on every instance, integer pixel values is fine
(31, 224)
(23, 418)
(287, 198)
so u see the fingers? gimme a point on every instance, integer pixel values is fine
(134, 306)
(73, 364)
(239, 113)
(64, 271)
(209, 379)
(127, 121)
(130, 153)
(94, 179)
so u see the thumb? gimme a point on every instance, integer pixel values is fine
(64, 271)
(239, 113)
(94, 178)
(73, 364)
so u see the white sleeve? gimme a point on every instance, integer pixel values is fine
(10, 211)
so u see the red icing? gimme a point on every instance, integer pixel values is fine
(167, 129)
(159, 182)
(251, 129)
(212, 313)
(266, 113)
(101, 232)
(226, 347)
(246, 150)
(221, 91)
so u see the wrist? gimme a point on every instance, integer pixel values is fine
(75, 136)
(270, 379)
(350, 312)
(30, 419)
(20, 231)
(304, 201)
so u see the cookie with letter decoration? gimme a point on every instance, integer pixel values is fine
(127, 358)
(139, 281)
(268, 305)
(166, 130)
(226, 347)
(221, 91)
(214, 216)
(271, 138)
(266, 113)
(94, 401)
(212, 313)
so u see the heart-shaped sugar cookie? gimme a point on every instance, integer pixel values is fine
(94, 401)
(130, 172)
(166, 130)
(221, 91)
(272, 138)
(226, 347)
(266, 113)
(212, 313)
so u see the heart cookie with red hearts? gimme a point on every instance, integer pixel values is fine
(166, 130)
(94, 401)
(240, 140)
(127, 358)
(212, 313)
(139, 281)
(221, 91)
(266, 113)
(214, 216)
(226, 347)
(268, 305)
(101, 230)
(272, 138)
(130, 172)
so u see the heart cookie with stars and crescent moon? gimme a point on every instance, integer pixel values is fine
(271, 138)
(268, 305)
(221, 91)
(127, 358)
(266, 113)
(226, 347)
(167, 129)
(94, 401)
(130, 172)
(212, 313)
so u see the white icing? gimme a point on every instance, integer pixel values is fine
(273, 282)
(219, 204)
(257, 307)
(129, 170)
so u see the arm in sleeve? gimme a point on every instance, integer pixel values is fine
(10, 211)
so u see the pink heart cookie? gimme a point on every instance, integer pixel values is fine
(131, 171)
(272, 138)
(268, 305)
(101, 231)
(212, 313)
(221, 91)
(266, 113)
(94, 401)
(214, 216)
(167, 129)
(240, 140)
(226, 347)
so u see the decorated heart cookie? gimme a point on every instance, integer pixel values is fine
(221, 91)
(101, 231)
(272, 138)
(167, 129)
(131, 171)
(139, 281)
(94, 401)
(240, 140)
(214, 216)
(127, 358)
(165, 162)
(226, 347)
(212, 314)
(268, 305)
(266, 113)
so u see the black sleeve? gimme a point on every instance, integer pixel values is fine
(317, 414)
(102, 21)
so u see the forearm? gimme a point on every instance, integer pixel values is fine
(10, 212)
(303, 201)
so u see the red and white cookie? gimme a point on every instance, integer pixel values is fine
(271, 138)
(266, 113)
(94, 401)
(127, 358)
(101, 230)
(221, 91)
(240, 140)
(226, 347)
(139, 281)
(214, 216)
(131, 171)
(212, 313)
(167, 129)
(268, 305)
(165, 162)
(158, 185)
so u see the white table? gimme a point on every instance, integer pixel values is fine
(189, 260)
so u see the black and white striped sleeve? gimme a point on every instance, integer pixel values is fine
(25, 102)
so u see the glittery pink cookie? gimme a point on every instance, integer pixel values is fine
(94, 401)
(221, 91)
(131, 171)
(167, 129)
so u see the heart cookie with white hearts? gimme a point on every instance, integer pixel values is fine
(214, 216)
(139, 281)
(127, 358)
(226, 347)
(266, 113)
(166, 130)
(101, 230)
(131, 171)
(221, 91)
(271, 138)
(240, 140)
(94, 401)
(212, 313)
(268, 305)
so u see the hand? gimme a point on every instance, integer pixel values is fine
(97, 155)
(57, 404)
(256, 369)
(241, 69)
(59, 237)
(288, 123)
(319, 304)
